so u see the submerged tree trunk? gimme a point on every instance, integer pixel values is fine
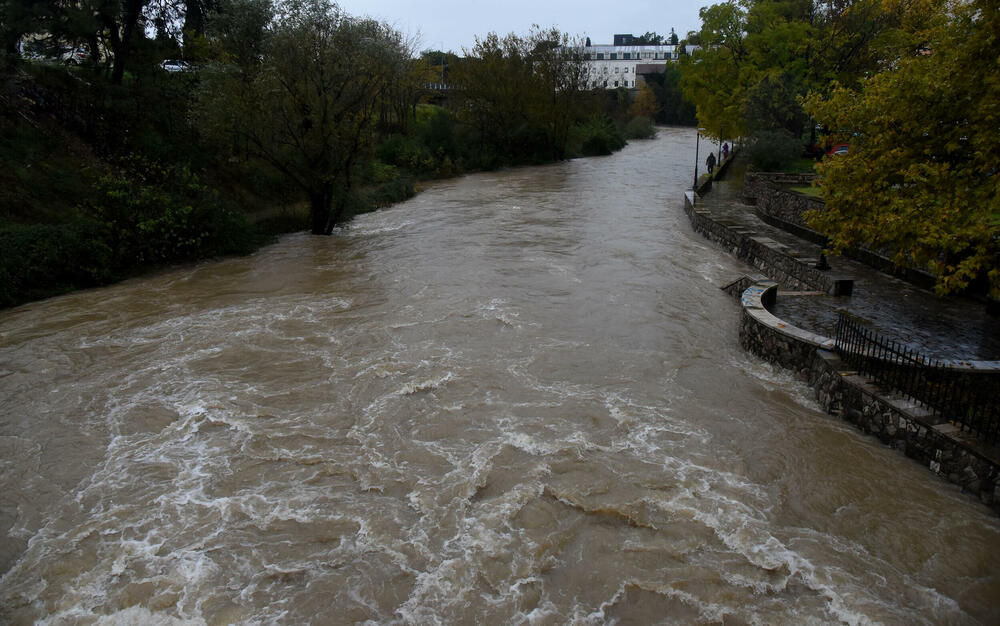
(320, 211)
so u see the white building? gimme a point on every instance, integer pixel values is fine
(613, 66)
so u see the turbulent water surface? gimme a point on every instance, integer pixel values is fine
(518, 397)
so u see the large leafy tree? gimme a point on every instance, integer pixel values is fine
(521, 94)
(304, 95)
(760, 57)
(922, 177)
(713, 78)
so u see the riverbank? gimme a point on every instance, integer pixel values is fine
(941, 444)
(107, 181)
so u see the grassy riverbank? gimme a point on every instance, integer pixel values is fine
(104, 182)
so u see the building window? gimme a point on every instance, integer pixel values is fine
(616, 83)
(616, 70)
(625, 70)
(627, 55)
(600, 56)
(614, 55)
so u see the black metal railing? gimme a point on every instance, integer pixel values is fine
(963, 398)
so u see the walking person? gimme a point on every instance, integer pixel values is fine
(710, 162)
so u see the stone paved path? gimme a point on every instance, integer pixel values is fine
(947, 328)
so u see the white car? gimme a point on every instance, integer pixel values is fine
(171, 65)
(74, 56)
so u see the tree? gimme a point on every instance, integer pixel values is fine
(672, 107)
(714, 78)
(921, 180)
(521, 94)
(307, 105)
(645, 103)
(120, 24)
(18, 18)
(195, 15)
(761, 57)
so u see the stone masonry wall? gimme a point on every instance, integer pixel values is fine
(841, 392)
(762, 253)
(855, 401)
(787, 206)
(784, 209)
(754, 182)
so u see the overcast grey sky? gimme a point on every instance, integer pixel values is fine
(453, 24)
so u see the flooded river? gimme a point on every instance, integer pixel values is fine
(517, 398)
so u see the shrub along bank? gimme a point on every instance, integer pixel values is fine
(102, 182)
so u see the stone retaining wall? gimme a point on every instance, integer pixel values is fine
(786, 205)
(767, 255)
(905, 427)
(755, 182)
(784, 209)
(896, 422)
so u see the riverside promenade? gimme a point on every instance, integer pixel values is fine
(953, 328)
(789, 317)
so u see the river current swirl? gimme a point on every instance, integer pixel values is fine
(516, 398)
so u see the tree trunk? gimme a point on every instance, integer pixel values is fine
(320, 203)
(132, 11)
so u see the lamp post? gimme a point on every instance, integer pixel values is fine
(696, 142)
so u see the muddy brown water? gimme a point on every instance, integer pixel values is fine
(517, 398)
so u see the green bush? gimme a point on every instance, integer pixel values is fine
(596, 136)
(439, 134)
(41, 260)
(639, 127)
(153, 214)
(407, 152)
(773, 150)
(385, 194)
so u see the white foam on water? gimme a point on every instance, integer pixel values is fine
(499, 309)
(709, 612)
(427, 385)
(378, 223)
(743, 528)
(454, 578)
(647, 429)
(776, 378)
(132, 616)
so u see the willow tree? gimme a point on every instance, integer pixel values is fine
(922, 179)
(307, 104)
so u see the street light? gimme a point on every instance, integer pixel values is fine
(696, 142)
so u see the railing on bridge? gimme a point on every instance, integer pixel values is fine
(968, 401)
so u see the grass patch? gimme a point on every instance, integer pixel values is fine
(803, 165)
(813, 192)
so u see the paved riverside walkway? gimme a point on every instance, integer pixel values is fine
(945, 328)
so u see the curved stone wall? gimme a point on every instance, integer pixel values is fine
(901, 424)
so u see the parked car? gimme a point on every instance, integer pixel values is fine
(173, 65)
(838, 149)
(74, 56)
